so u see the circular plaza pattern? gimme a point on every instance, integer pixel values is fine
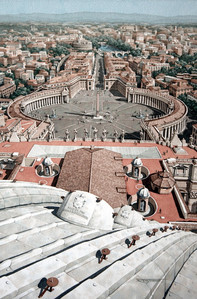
(115, 115)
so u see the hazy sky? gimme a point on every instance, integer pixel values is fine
(155, 7)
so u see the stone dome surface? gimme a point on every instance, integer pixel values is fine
(195, 161)
(129, 218)
(84, 208)
(47, 161)
(137, 162)
(143, 193)
(36, 244)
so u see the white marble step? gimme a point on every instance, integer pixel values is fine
(29, 256)
(179, 291)
(69, 258)
(77, 254)
(18, 211)
(65, 284)
(7, 288)
(88, 290)
(66, 261)
(26, 216)
(121, 271)
(22, 223)
(30, 276)
(23, 193)
(118, 237)
(184, 285)
(117, 252)
(155, 277)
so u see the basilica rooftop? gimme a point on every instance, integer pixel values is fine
(151, 155)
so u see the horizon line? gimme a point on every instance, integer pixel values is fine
(113, 12)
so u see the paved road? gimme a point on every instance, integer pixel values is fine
(99, 72)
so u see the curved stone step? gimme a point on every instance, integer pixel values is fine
(65, 283)
(26, 222)
(6, 214)
(120, 251)
(40, 253)
(23, 193)
(94, 291)
(184, 285)
(121, 271)
(81, 253)
(7, 288)
(26, 294)
(153, 280)
(30, 276)
(113, 277)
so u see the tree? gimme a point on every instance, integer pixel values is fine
(65, 45)
(22, 91)
(19, 81)
(24, 48)
(194, 85)
(58, 51)
(10, 75)
(192, 105)
(188, 58)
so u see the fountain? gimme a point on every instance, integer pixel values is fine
(53, 114)
(140, 115)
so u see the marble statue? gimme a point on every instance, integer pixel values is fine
(75, 135)
(67, 135)
(104, 135)
(85, 134)
(115, 135)
(95, 131)
(122, 136)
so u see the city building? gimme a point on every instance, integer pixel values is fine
(7, 89)
(180, 87)
(82, 44)
(119, 76)
(77, 74)
(194, 133)
(97, 213)
(2, 75)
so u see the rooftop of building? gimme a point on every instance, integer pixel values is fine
(35, 152)
(162, 179)
(95, 171)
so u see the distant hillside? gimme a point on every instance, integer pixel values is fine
(98, 17)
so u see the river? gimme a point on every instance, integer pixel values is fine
(107, 48)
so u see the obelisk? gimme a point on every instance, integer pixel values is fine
(97, 104)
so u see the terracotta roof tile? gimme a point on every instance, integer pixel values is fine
(94, 171)
(162, 179)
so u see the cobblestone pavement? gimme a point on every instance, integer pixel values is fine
(115, 113)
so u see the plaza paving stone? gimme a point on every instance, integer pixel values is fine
(79, 114)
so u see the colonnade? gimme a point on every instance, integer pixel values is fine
(174, 120)
(178, 127)
(148, 100)
(44, 99)
(37, 104)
